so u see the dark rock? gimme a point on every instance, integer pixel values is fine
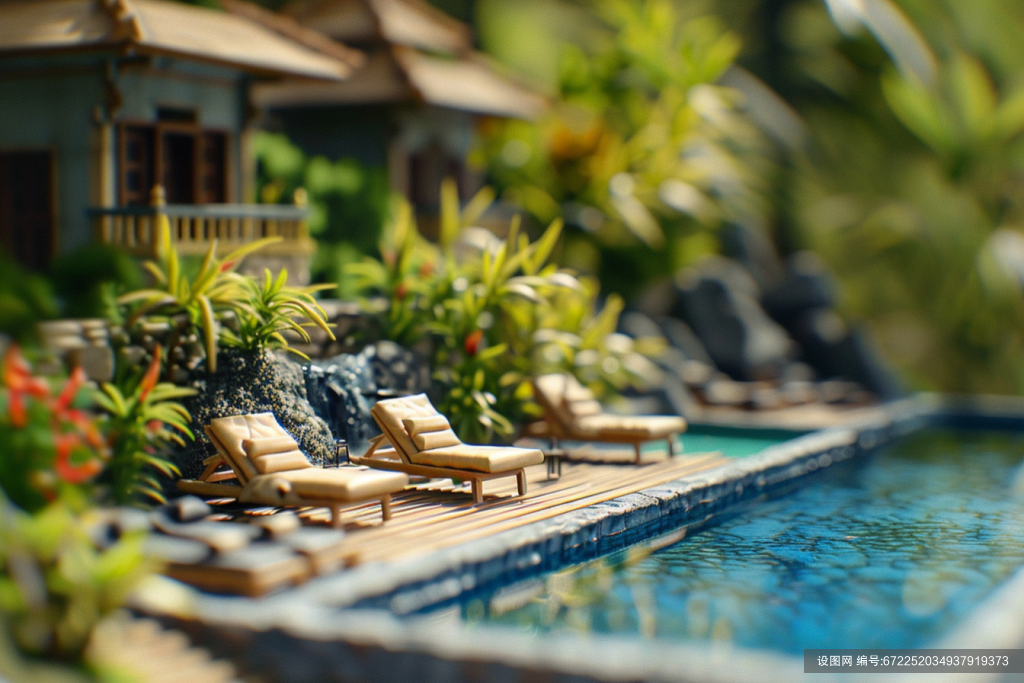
(754, 251)
(682, 337)
(397, 370)
(246, 383)
(837, 352)
(807, 285)
(720, 304)
(342, 389)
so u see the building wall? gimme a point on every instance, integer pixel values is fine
(55, 111)
(362, 133)
(61, 104)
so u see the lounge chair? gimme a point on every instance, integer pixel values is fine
(271, 470)
(424, 444)
(572, 412)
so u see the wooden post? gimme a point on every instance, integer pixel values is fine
(301, 199)
(158, 200)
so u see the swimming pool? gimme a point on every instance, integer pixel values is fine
(733, 442)
(885, 552)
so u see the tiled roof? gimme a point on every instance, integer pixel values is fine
(411, 23)
(400, 74)
(160, 27)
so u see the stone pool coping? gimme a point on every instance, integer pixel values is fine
(343, 627)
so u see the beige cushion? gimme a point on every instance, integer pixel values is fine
(281, 462)
(564, 398)
(230, 434)
(430, 432)
(443, 439)
(391, 412)
(419, 425)
(480, 458)
(342, 484)
(227, 434)
(630, 428)
(583, 408)
(270, 444)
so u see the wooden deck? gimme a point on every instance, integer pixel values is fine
(435, 514)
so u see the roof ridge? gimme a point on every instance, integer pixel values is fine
(288, 27)
(126, 25)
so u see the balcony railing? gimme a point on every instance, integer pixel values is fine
(194, 227)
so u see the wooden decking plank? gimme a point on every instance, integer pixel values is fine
(503, 514)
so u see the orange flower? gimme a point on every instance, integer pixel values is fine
(401, 291)
(149, 380)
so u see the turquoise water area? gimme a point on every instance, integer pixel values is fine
(733, 442)
(886, 552)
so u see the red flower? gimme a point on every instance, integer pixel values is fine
(426, 269)
(472, 343)
(149, 380)
(72, 474)
(17, 377)
(71, 387)
(226, 266)
(401, 291)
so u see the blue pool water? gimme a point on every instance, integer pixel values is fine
(888, 552)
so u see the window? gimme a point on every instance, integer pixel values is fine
(26, 207)
(190, 162)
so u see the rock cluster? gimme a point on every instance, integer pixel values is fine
(254, 383)
(342, 389)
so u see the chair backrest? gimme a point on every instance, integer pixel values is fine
(227, 434)
(412, 424)
(564, 398)
(256, 444)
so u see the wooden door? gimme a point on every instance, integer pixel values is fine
(138, 152)
(26, 207)
(178, 152)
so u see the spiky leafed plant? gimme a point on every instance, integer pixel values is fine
(200, 299)
(272, 308)
(143, 416)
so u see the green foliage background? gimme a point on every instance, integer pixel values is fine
(898, 151)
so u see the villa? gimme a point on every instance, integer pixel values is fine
(112, 111)
(413, 108)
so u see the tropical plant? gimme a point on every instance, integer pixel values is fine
(495, 311)
(25, 299)
(55, 585)
(271, 309)
(143, 417)
(192, 304)
(49, 444)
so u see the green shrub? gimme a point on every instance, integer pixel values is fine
(194, 301)
(495, 316)
(266, 311)
(644, 152)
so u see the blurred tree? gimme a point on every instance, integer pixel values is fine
(908, 179)
(349, 203)
(645, 153)
(913, 188)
